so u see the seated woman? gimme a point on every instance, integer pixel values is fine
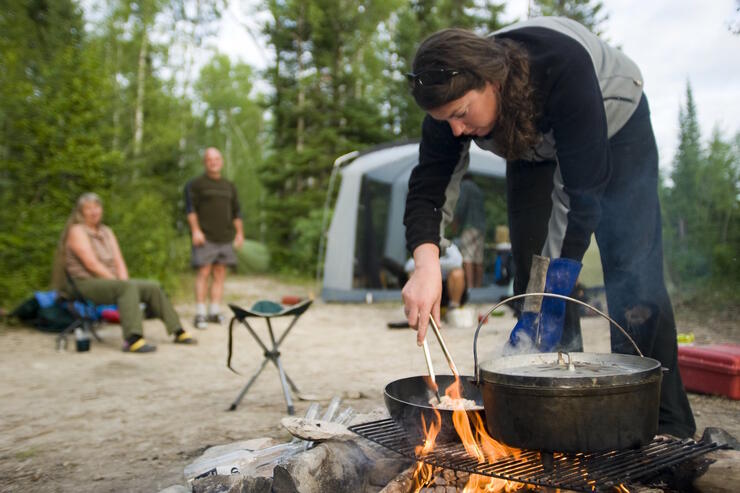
(89, 252)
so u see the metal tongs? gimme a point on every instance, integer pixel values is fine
(445, 351)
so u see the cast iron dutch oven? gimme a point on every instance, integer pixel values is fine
(570, 402)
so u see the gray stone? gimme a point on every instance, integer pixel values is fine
(721, 437)
(230, 484)
(257, 485)
(218, 484)
(338, 467)
(723, 476)
(176, 488)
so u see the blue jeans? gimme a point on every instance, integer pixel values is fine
(630, 241)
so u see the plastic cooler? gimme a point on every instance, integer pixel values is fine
(712, 369)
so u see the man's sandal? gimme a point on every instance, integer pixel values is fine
(184, 337)
(138, 346)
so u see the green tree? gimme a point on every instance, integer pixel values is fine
(684, 218)
(327, 82)
(154, 125)
(701, 206)
(231, 120)
(53, 103)
(721, 179)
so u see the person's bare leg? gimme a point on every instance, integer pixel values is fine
(201, 283)
(201, 288)
(469, 271)
(478, 273)
(217, 292)
(455, 286)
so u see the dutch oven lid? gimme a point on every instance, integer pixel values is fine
(569, 370)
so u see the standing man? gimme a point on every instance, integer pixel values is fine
(215, 223)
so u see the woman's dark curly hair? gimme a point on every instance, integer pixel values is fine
(480, 60)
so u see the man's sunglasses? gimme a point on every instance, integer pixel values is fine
(432, 77)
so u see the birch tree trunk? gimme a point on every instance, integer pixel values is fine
(140, 89)
(301, 123)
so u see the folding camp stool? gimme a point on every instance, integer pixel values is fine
(271, 353)
(83, 311)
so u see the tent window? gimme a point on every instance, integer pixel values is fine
(372, 217)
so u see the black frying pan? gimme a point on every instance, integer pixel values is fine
(408, 399)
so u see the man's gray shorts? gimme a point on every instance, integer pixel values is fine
(213, 253)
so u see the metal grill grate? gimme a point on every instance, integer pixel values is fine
(586, 472)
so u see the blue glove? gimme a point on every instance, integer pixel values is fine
(544, 329)
(524, 331)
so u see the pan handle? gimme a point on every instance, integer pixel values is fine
(551, 295)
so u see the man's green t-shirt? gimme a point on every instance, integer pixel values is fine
(216, 204)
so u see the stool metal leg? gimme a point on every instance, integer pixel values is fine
(249, 384)
(292, 385)
(283, 382)
(275, 357)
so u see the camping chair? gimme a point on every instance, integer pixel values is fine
(267, 310)
(83, 311)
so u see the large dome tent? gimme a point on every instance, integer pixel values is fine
(367, 234)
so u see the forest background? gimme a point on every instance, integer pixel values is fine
(103, 96)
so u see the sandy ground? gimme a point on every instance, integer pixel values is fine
(106, 421)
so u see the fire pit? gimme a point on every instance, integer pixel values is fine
(598, 471)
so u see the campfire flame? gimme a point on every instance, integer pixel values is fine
(477, 443)
(424, 472)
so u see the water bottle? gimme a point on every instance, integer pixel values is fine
(82, 340)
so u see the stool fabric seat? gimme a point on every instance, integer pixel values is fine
(266, 310)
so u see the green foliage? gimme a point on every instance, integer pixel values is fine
(53, 95)
(254, 257)
(327, 82)
(701, 207)
(307, 233)
(74, 99)
(231, 120)
(141, 217)
(338, 86)
(114, 106)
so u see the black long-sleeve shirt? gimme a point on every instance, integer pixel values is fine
(586, 91)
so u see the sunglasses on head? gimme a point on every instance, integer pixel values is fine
(432, 77)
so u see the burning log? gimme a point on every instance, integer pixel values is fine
(401, 483)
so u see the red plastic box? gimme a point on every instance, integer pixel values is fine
(713, 369)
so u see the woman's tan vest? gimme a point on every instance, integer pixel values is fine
(102, 245)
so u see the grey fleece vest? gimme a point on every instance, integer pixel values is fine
(619, 77)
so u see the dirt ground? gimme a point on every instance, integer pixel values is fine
(106, 421)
